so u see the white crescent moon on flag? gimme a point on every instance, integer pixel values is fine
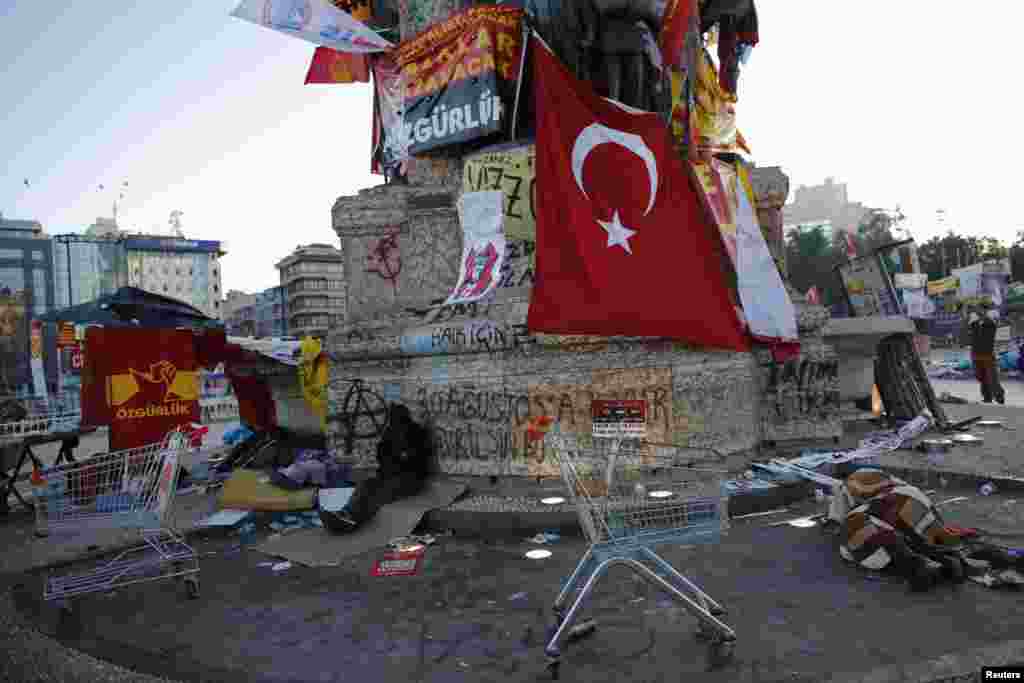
(595, 134)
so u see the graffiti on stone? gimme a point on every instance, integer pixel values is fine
(802, 388)
(471, 336)
(485, 428)
(385, 260)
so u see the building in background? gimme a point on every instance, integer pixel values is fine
(314, 289)
(26, 291)
(827, 205)
(255, 315)
(86, 267)
(184, 269)
(270, 313)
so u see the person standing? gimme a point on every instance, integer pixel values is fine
(983, 356)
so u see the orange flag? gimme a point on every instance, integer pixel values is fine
(332, 66)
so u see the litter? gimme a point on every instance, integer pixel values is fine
(517, 597)
(538, 554)
(226, 518)
(266, 564)
(282, 566)
(799, 522)
(761, 514)
(545, 538)
(399, 563)
(276, 526)
(967, 439)
(987, 489)
(958, 499)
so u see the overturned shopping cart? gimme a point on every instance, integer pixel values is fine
(131, 489)
(639, 501)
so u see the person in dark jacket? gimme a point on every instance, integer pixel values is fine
(404, 463)
(983, 356)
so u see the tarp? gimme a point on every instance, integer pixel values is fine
(133, 307)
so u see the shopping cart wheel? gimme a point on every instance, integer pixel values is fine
(192, 587)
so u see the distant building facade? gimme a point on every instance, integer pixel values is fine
(26, 292)
(314, 289)
(188, 270)
(255, 315)
(827, 205)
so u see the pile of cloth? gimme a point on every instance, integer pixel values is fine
(887, 524)
(312, 467)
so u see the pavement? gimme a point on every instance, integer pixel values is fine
(479, 608)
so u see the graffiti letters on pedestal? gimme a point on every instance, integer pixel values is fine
(472, 336)
(803, 388)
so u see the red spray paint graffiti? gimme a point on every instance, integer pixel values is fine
(385, 260)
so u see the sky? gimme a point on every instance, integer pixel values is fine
(204, 113)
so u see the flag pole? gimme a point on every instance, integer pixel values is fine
(519, 81)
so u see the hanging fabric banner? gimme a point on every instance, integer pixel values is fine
(483, 245)
(332, 66)
(766, 304)
(38, 373)
(317, 21)
(390, 143)
(458, 76)
(716, 184)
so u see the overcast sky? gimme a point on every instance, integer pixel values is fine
(208, 114)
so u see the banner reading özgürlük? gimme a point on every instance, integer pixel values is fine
(459, 76)
(483, 246)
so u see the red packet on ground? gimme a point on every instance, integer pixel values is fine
(396, 563)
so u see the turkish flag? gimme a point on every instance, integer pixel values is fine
(332, 66)
(623, 244)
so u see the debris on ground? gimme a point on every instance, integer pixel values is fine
(947, 397)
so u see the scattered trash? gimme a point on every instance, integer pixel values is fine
(989, 423)
(226, 518)
(968, 439)
(636, 600)
(664, 603)
(987, 489)
(538, 554)
(582, 630)
(962, 532)
(266, 564)
(396, 563)
(516, 597)
(819, 495)
(545, 537)
(761, 514)
(799, 522)
(947, 397)
(553, 500)
(958, 499)
(282, 566)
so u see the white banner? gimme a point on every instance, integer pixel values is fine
(766, 303)
(317, 21)
(483, 245)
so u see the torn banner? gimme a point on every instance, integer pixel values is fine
(390, 143)
(483, 245)
(317, 21)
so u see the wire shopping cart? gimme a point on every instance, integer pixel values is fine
(642, 501)
(128, 489)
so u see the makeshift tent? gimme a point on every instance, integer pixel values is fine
(130, 306)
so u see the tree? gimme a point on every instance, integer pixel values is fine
(810, 258)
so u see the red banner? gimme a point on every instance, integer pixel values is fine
(143, 383)
(332, 66)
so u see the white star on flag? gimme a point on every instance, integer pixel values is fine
(618, 234)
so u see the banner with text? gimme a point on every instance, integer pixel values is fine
(317, 21)
(458, 76)
(147, 380)
(390, 143)
(483, 246)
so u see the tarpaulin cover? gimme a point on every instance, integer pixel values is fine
(623, 245)
(143, 383)
(128, 304)
(458, 75)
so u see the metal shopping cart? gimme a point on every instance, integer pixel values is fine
(641, 501)
(128, 489)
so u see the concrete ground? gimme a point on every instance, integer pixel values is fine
(478, 610)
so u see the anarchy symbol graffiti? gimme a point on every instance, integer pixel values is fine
(385, 260)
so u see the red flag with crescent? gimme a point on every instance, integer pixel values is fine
(623, 243)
